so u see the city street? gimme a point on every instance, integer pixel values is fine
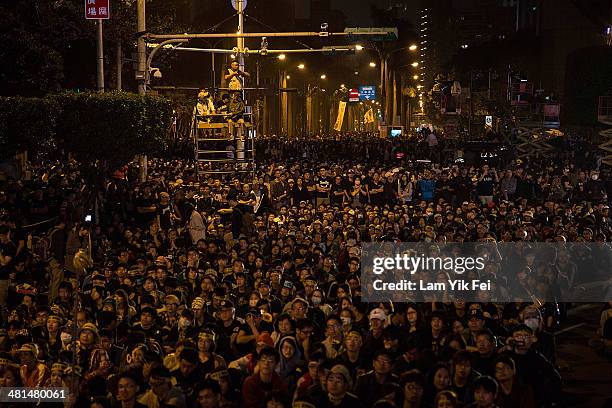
(588, 377)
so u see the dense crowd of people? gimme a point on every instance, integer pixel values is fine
(244, 289)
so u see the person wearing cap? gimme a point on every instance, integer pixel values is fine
(33, 373)
(370, 386)
(374, 339)
(298, 308)
(337, 386)
(88, 339)
(162, 393)
(250, 329)
(476, 323)
(169, 313)
(511, 392)
(205, 105)
(261, 385)
(227, 329)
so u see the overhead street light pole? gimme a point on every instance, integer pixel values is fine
(224, 51)
(259, 35)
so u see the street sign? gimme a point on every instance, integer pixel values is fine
(235, 4)
(367, 93)
(97, 9)
(353, 95)
(489, 121)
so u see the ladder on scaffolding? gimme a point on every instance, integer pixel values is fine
(604, 116)
(221, 146)
(531, 143)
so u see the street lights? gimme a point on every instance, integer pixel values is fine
(384, 59)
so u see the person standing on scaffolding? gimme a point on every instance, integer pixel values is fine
(205, 105)
(234, 75)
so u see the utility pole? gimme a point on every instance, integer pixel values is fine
(240, 145)
(119, 65)
(141, 75)
(240, 40)
(100, 50)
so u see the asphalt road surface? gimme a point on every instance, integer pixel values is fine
(587, 374)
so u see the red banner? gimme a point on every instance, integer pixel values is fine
(97, 9)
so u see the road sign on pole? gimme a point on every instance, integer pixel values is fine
(367, 93)
(353, 95)
(97, 9)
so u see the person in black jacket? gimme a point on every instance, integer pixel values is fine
(532, 367)
(370, 386)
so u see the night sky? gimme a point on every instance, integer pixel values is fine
(356, 11)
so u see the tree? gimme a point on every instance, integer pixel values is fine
(112, 127)
(26, 124)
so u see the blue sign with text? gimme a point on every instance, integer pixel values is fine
(367, 93)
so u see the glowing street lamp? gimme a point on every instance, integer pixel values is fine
(413, 47)
(281, 57)
(358, 47)
(372, 64)
(415, 77)
(415, 64)
(301, 66)
(323, 76)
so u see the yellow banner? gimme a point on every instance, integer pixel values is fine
(369, 116)
(340, 119)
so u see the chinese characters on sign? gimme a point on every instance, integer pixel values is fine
(97, 9)
(367, 93)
